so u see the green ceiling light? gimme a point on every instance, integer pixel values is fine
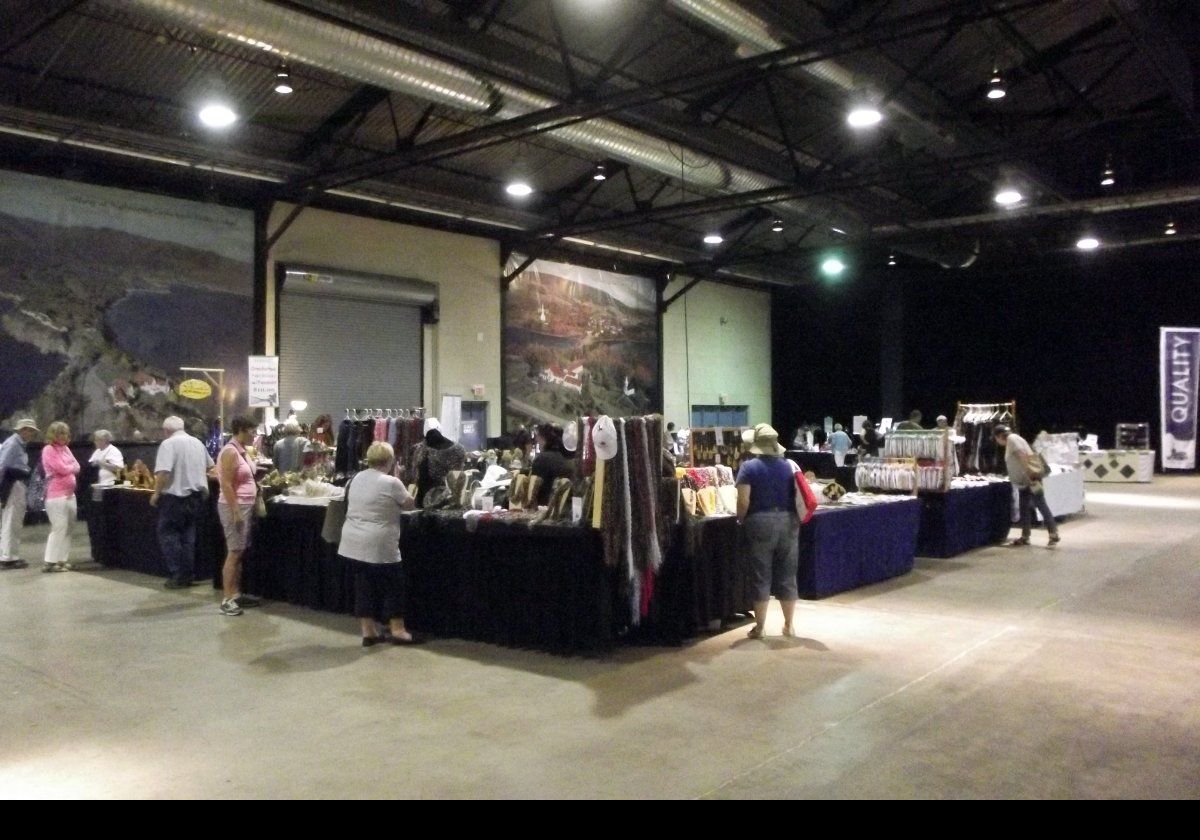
(832, 267)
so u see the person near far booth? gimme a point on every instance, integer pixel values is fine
(912, 424)
(943, 422)
(180, 489)
(14, 475)
(371, 541)
(61, 468)
(289, 449)
(106, 458)
(871, 440)
(839, 444)
(766, 509)
(552, 461)
(1028, 481)
(235, 509)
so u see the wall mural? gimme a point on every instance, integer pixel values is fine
(105, 293)
(578, 341)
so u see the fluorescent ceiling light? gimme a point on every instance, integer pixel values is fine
(1008, 196)
(864, 117)
(1088, 243)
(518, 189)
(217, 115)
(833, 266)
(713, 239)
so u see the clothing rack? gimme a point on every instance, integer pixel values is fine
(893, 474)
(361, 414)
(929, 445)
(975, 422)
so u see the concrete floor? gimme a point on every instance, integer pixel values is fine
(1066, 673)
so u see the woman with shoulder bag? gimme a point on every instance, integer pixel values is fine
(236, 510)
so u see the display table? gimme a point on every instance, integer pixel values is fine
(1118, 465)
(1064, 492)
(126, 537)
(843, 548)
(822, 465)
(964, 518)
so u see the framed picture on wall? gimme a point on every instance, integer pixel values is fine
(578, 341)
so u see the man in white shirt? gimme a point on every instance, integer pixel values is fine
(14, 473)
(107, 457)
(1030, 492)
(180, 492)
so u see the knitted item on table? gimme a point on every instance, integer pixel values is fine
(699, 477)
(725, 476)
(631, 570)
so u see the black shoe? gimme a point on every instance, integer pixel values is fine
(178, 583)
(13, 564)
(247, 601)
(1054, 539)
(371, 641)
(397, 640)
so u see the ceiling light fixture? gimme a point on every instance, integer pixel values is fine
(1088, 243)
(713, 239)
(1008, 196)
(217, 115)
(833, 266)
(777, 226)
(601, 173)
(518, 188)
(283, 80)
(891, 259)
(1170, 230)
(864, 116)
(996, 85)
(1109, 177)
(838, 230)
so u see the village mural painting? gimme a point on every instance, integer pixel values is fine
(106, 293)
(578, 341)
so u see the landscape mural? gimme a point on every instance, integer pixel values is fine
(106, 293)
(578, 341)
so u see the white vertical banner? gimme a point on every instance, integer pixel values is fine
(1179, 367)
(263, 379)
(451, 416)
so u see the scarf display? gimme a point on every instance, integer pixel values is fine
(354, 438)
(976, 422)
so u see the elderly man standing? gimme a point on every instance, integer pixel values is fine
(14, 472)
(180, 490)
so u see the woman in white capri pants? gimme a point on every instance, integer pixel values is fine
(60, 467)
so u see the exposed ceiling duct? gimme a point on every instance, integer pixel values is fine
(305, 39)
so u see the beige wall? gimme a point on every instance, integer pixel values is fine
(463, 349)
(704, 358)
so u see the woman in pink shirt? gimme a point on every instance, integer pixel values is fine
(235, 507)
(61, 468)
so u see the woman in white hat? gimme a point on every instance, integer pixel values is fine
(767, 511)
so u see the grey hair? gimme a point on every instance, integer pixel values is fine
(103, 433)
(173, 424)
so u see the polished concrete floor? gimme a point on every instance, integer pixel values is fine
(1064, 673)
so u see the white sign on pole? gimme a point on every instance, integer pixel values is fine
(451, 418)
(263, 390)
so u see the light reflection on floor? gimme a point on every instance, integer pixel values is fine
(1104, 497)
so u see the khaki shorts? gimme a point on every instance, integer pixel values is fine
(237, 534)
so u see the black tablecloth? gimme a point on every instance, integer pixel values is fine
(125, 537)
(963, 519)
(845, 548)
(822, 464)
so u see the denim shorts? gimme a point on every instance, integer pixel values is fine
(773, 546)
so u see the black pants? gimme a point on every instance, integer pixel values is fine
(378, 590)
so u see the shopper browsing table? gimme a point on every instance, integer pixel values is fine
(551, 462)
(107, 458)
(60, 466)
(1030, 492)
(371, 539)
(14, 474)
(289, 451)
(180, 489)
(235, 509)
(767, 512)
(839, 444)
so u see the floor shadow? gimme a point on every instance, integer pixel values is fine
(309, 658)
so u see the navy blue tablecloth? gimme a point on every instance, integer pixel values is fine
(963, 519)
(845, 548)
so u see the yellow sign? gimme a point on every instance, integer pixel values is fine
(195, 389)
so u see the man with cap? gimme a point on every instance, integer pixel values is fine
(766, 508)
(1030, 493)
(14, 473)
(180, 490)
(942, 422)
